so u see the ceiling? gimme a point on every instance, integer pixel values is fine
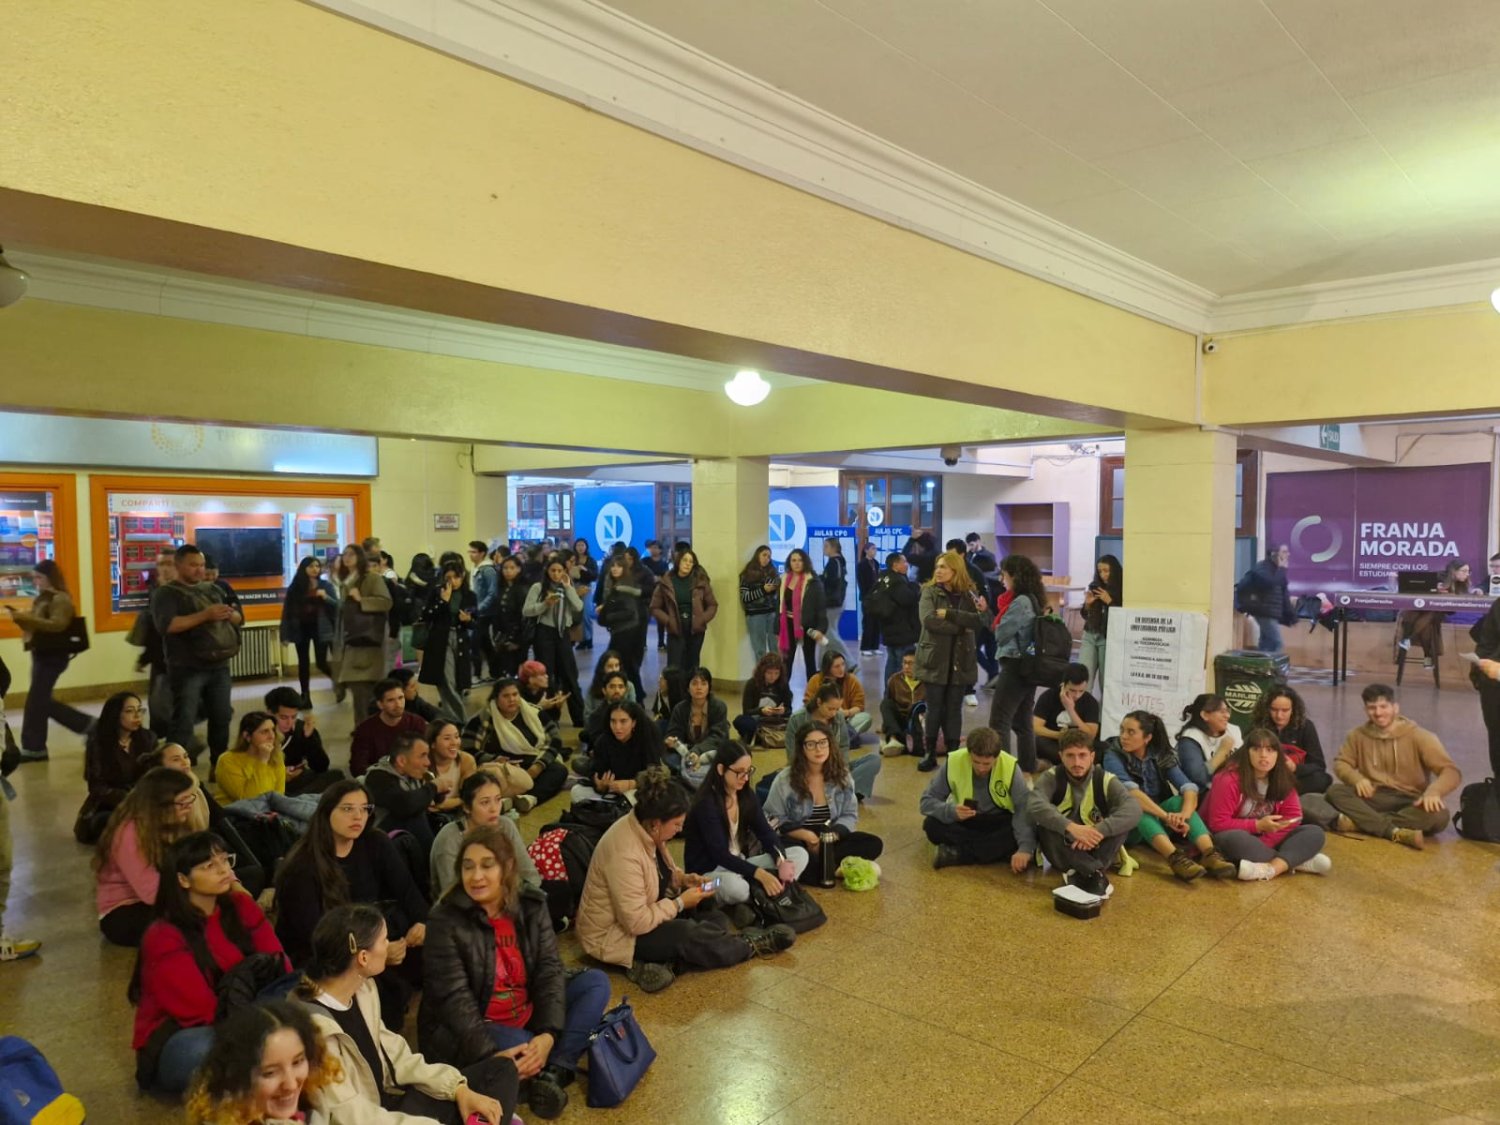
(1242, 145)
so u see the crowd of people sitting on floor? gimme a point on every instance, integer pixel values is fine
(338, 896)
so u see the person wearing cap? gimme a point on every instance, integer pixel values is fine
(1081, 815)
(974, 810)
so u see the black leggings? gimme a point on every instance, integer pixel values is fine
(1011, 711)
(126, 925)
(304, 672)
(809, 654)
(555, 651)
(944, 716)
(494, 1077)
(698, 939)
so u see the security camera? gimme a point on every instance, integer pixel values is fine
(1210, 346)
(951, 454)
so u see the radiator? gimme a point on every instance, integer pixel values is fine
(260, 653)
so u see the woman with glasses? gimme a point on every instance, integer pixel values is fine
(728, 836)
(204, 927)
(483, 804)
(815, 796)
(339, 861)
(111, 760)
(153, 816)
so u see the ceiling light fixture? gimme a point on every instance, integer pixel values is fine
(747, 388)
(12, 282)
(1494, 298)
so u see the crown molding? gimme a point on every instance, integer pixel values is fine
(162, 293)
(590, 54)
(1466, 284)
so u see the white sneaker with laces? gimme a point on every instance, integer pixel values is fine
(1251, 872)
(1320, 864)
(971, 700)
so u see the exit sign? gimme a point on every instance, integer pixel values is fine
(1328, 436)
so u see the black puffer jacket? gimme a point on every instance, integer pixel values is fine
(458, 969)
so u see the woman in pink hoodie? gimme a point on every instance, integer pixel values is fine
(1255, 816)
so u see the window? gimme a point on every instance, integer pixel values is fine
(1112, 495)
(38, 515)
(1246, 494)
(897, 500)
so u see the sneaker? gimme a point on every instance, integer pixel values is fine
(1251, 872)
(650, 976)
(15, 949)
(304, 703)
(891, 748)
(1216, 865)
(947, 856)
(1409, 837)
(34, 755)
(546, 1095)
(1404, 644)
(927, 764)
(1344, 824)
(1184, 866)
(971, 700)
(1320, 864)
(868, 652)
(523, 803)
(771, 939)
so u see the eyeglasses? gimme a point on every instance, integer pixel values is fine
(183, 803)
(222, 861)
(816, 744)
(141, 710)
(350, 810)
(747, 772)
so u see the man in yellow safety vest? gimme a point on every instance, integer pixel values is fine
(1081, 815)
(975, 810)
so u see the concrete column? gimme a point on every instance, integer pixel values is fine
(491, 518)
(1179, 525)
(729, 518)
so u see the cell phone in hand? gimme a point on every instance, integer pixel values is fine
(708, 886)
(971, 803)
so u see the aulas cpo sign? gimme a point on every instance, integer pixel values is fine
(1356, 528)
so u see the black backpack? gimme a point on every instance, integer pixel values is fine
(1478, 816)
(1050, 651)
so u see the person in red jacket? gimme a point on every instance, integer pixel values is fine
(1255, 816)
(204, 928)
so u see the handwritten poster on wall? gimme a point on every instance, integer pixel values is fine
(1153, 661)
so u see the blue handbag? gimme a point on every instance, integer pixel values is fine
(619, 1055)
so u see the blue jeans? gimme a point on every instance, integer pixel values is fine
(182, 1054)
(1270, 635)
(590, 612)
(586, 997)
(201, 691)
(299, 810)
(863, 771)
(1194, 764)
(893, 655)
(762, 630)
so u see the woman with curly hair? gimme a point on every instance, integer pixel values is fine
(1282, 711)
(154, 815)
(1012, 708)
(815, 795)
(766, 704)
(266, 1065)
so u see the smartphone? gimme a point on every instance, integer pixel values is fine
(709, 885)
(971, 803)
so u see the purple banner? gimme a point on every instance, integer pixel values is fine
(1355, 529)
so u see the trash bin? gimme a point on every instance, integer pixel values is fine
(1244, 676)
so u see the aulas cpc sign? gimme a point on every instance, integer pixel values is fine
(1355, 528)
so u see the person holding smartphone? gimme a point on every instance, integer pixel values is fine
(556, 607)
(975, 809)
(1256, 817)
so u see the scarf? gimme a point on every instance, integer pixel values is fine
(791, 591)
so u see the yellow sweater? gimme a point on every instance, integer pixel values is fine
(241, 775)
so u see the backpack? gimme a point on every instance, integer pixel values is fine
(30, 1091)
(1051, 649)
(878, 604)
(1478, 816)
(1099, 783)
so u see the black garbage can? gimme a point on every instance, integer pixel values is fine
(1244, 676)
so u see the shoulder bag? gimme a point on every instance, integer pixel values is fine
(70, 642)
(619, 1056)
(793, 907)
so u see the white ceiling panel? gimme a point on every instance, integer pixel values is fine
(1223, 140)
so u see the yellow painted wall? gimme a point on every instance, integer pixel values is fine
(281, 121)
(1442, 361)
(416, 479)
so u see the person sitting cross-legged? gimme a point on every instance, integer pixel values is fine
(1081, 815)
(827, 707)
(1143, 760)
(1392, 775)
(901, 710)
(1255, 815)
(975, 809)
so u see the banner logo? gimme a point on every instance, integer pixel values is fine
(1336, 539)
(613, 525)
(787, 528)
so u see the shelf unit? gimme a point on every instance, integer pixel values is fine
(1038, 531)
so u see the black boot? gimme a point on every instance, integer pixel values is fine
(546, 1097)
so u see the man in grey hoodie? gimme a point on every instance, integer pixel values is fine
(1081, 815)
(401, 787)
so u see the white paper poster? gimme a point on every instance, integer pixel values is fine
(1153, 661)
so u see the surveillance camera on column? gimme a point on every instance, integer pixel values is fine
(951, 454)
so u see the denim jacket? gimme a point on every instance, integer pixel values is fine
(787, 809)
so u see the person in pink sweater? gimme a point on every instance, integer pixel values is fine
(1255, 817)
(155, 813)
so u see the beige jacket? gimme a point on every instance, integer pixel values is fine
(355, 1100)
(51, 612)
(621, 895)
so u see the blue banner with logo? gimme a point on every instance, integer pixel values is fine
(609, 514)
(792, 511)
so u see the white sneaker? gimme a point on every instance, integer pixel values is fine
(1251, 872)
(15, 949)
(971, 700)
(890, 748)
(1320, 864)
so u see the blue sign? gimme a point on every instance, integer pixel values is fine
(888, 539)
(615, 514)
(792, 511)
(849, 622)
